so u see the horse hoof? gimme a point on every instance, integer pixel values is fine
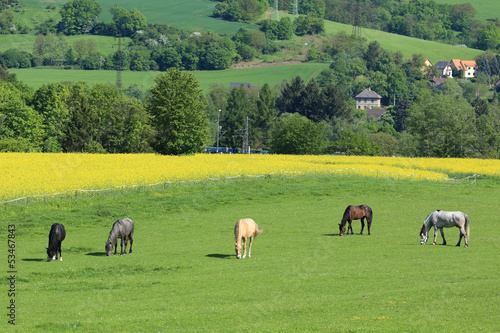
(60, 259)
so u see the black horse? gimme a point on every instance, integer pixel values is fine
(56, 236)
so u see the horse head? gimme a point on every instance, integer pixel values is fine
(109, 248)
(51, 255)
(423, 235)
(237, 249)
(341, 229)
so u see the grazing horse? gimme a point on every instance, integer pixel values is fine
(356, 213)
(245, 228)
(440, 219)
(123, 229)
(56, 236)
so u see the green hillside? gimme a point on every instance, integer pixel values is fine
(434, 51)
(486, 9)
(256, 76)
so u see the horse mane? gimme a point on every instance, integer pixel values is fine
(347, 214)
(237, 232)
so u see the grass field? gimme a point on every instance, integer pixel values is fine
(256, 76)
(486, 9)
(183, 274)
(409, 46)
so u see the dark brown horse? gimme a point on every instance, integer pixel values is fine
(360, 212)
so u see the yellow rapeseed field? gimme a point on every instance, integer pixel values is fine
(28, 174)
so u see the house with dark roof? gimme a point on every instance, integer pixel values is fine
(368, 99)
(444, 67)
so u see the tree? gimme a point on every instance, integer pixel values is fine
(284, 30)
(233, 118)
(295, 134)
(442, 126)
(21, 123)
(82, 131)
(291, 98)
(352, 143)
(177, 106)
(79, 16)
(401, 113)
(264, 117)
(484, 67)
(334, 104)
(461, 16)
(127, 22)
(50, 102)
(372, 54)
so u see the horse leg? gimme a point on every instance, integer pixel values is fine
(442, 235)
(131, 239)
(369, 223)
(362, 225)
(245, 248)
(250, 247)
(60, 252)
(349, 227)
(464, 235)
(126, 243)
(435, 235)
(121, 246)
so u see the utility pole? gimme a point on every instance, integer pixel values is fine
(218, 129)
(246, 147)
(119, 63)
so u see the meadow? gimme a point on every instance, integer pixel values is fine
(183, 274)
(486, 9)
(271, 75)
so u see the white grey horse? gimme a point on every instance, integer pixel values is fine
(440, 219)
(123, 229)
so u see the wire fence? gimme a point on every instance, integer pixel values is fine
(472, 179)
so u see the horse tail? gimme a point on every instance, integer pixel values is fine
(467, 227)
(257, 230)
(369, 209)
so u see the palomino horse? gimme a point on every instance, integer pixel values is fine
(56, 236)
(356, 213)
(440, 219)
(245, 228)
(123, 229)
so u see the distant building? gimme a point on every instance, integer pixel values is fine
(368, 99)
(375, 113)
(444, 67)
(468, 67)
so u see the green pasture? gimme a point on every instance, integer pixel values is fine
(409, 46)
(105, 44)
(256, 76)
(486, 9)
(302, 277)
(192, 15)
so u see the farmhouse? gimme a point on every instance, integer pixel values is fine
(368, 99)
(468, 67)
(444, 67)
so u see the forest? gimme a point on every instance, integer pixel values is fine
(422, 117)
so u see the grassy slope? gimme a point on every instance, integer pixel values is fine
(408, 45)
(256, 76)
(183, 275)
(485, 8)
